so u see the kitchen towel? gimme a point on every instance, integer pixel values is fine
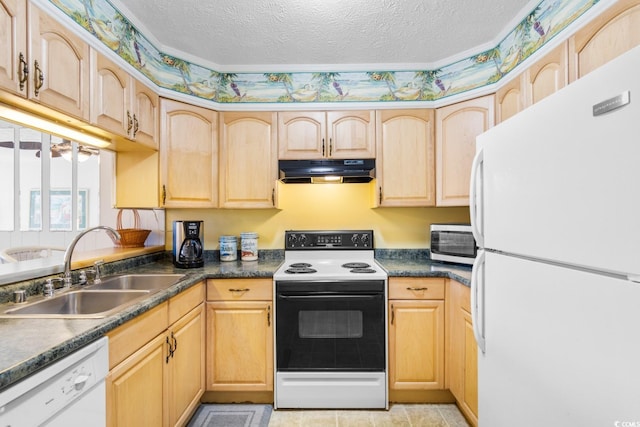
(230, 415)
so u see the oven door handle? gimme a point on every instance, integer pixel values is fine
(329, 294)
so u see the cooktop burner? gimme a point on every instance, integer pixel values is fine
(300, 265)
(363, 270)
(356, 265)
(300, 270)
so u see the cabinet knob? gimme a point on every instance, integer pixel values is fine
(129, 123)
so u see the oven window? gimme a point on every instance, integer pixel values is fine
(330, 331)
(330, 324)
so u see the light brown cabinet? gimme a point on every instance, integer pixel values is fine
(610, 34)
(248, 160)
(416, 335)
(405, 168)
(239, 335)
(121, 104)
(510, 99)
(547, 75)
(320, 135)
(42, 60)
(158, 379)
(457, 127)
(462, 353)
(188, 155)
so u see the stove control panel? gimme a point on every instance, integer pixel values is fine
(318, 240)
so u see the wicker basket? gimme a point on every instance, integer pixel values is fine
(130, 237)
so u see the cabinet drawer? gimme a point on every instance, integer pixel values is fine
(127, 338)
(416, 288)
(185, 301)
(239, 290)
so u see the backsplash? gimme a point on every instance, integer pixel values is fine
(103, 21)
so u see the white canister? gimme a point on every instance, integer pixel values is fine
(228, 248)
(249, 246)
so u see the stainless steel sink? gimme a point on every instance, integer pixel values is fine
(96, 301)
(145, 282)
(79, 304)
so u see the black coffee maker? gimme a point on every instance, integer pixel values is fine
(188, 250)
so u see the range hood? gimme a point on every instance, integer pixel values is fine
(326, 171)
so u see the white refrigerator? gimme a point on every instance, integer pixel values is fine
(555, 207)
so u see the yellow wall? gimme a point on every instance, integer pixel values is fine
(320, 207)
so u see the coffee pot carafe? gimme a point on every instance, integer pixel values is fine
(188, 244)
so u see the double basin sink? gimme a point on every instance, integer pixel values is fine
(96, 301)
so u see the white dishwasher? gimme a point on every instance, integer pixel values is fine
(70, 392)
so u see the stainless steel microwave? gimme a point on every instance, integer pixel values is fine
(453, 243)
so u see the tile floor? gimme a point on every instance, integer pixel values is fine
(399, 415)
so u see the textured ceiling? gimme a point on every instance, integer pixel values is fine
(323, 32)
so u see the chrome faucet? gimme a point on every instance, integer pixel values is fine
(69, 252)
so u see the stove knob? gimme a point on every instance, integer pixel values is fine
(302, 239)
(365, 239)
(354, 239)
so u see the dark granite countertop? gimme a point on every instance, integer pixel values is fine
(28, 345)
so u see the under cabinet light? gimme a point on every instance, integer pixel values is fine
(330, 179)
(13, 115)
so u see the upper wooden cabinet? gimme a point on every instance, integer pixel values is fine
(405, 160)
(188, 155)
(121, 104)
(547, 75)
(334, 134)
(510, 99)
(610, 34)
(248, 160)
(42, 60)
(457, 127)
(13, 46)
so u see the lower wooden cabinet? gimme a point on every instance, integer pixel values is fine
(462, 351)
(239, 335)
(161, 382)
(416, 334)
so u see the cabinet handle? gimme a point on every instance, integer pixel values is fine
(38, 78)
(175, 343)
(135, 125)
(23, 71)
(392, 314)
(322, 147)
(269, 315)
(239, 289)
(380, 195)
(273, 196)
(417, 289)
(169, 352)
(164, 194)
(129, 122)
(330, 146)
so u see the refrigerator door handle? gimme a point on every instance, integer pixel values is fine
(475, 199)
(477, 300)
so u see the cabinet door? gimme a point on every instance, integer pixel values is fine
(136, 387)
(146, 115)
(405, 158)
(188, 155)
(462, 355)
(457, 127)
(607, 36)
(59, 66)
(13, 45)
(547, 75)
(302, 135)
(239, 346)
(186, 366)
(110, 96)
(416, 344)
(510, 99)
(351, 134)
(248, 160)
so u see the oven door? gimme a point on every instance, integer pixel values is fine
(330, 326)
